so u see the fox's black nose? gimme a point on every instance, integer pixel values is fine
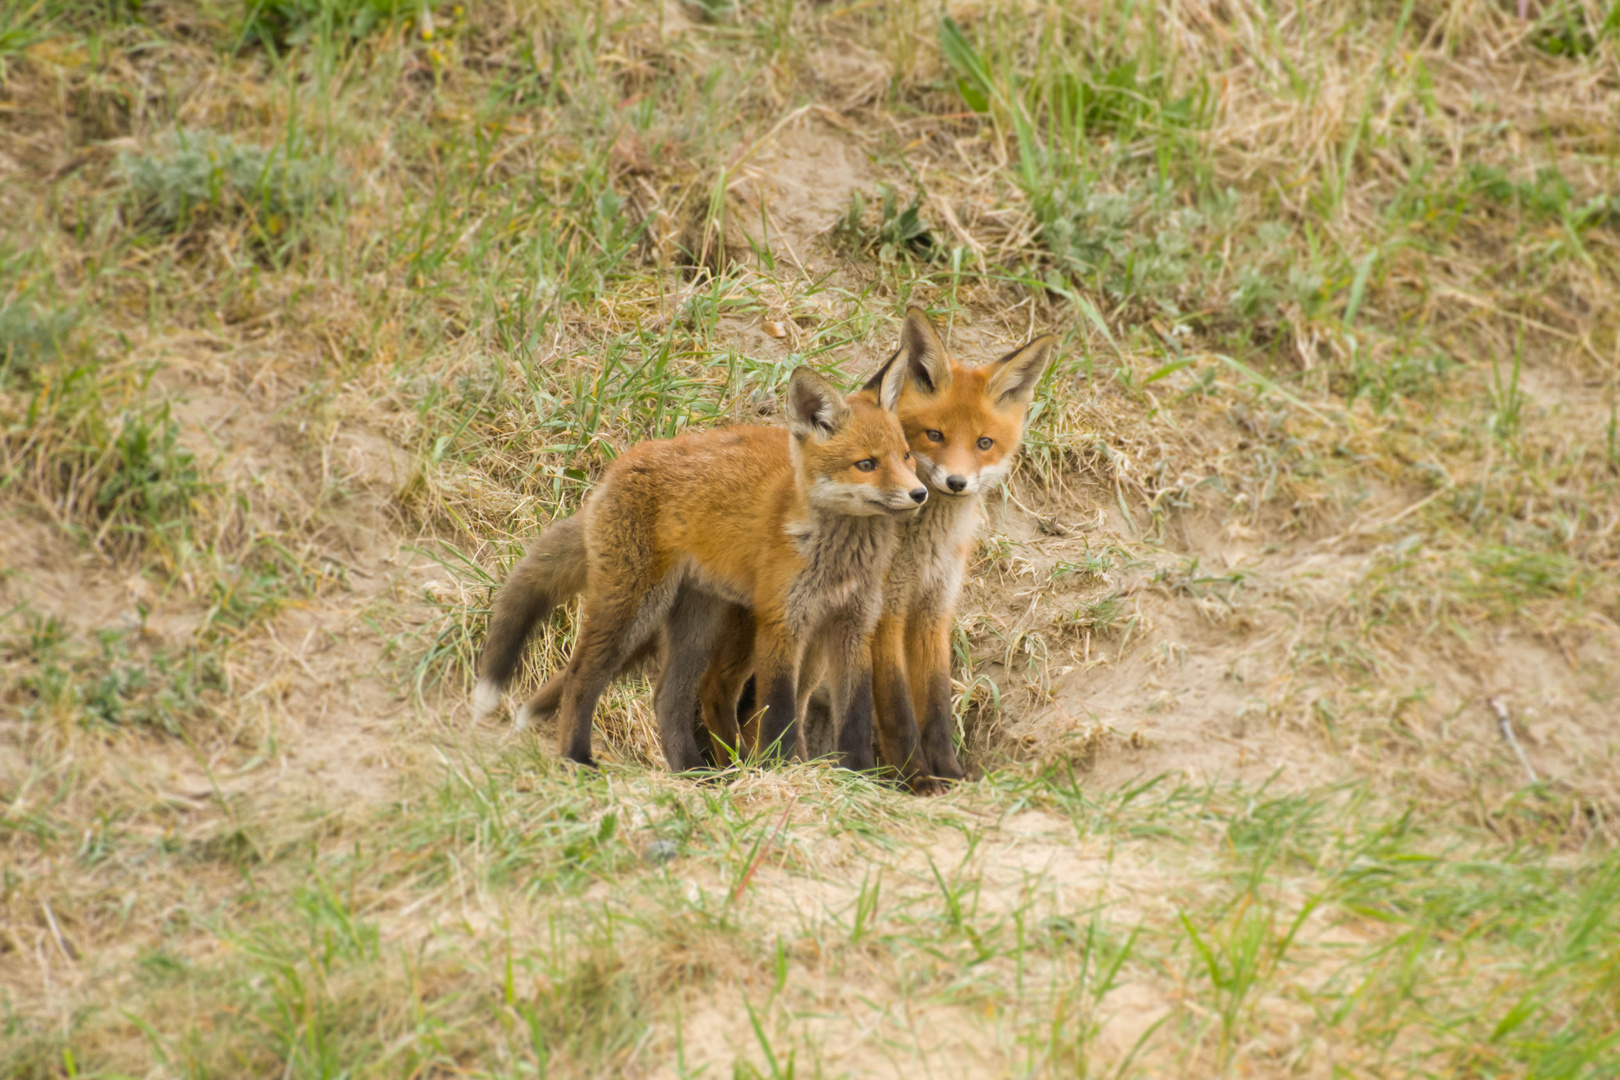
(956, 483)
(919, 495)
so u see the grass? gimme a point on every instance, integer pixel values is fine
(311, 313)
(1291, 924)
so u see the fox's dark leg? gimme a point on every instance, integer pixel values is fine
(820, 734)
(928, 661)
(545, 700)
(846, 648)
(898, 738)
(730, 664)
(776, 675)
(689, 637)
(590, 670)
(616, 624)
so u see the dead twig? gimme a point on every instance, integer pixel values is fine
(56, 930)
(1504, 724)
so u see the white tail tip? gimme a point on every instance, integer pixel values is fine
(486, 698)
(520, 721)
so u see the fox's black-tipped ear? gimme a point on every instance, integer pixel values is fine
(921, 355)
(1019, 372)
(814, 406)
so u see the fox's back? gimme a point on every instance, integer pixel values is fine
(715, 498)
(705, 474)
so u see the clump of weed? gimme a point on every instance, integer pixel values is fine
(253, 584)
(106, 461)
(149, 482)
(1547, 194)
(1102, 216)
(896, 234)
(110, 678)
(1132, 241)
(196, 178)
(279, 24)
(31, 335)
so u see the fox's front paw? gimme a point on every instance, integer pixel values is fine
(946, 767)
(926, 785)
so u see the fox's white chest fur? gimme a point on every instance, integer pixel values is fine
(846, 559)
(926, 572)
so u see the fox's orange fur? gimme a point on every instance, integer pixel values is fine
(795, 526)
(964, 425)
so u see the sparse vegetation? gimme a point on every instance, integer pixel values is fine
(196, 177)
(1286, 669)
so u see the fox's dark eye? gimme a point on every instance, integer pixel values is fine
(866, 464)
(908, 455)
(935, 436)
(986, 442)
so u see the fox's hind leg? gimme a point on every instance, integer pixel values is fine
(616, 623)
(816, 718)
(545, 700)
(689, 636)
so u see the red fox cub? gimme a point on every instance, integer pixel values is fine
(796, 525)
(964, 425)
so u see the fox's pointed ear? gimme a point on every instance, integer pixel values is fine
(923, 353)
(921, 357)
(1019, 372)
(814, 406)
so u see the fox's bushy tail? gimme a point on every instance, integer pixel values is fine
(552, 573)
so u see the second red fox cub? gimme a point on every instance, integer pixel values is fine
(964, 425)
(796, 525)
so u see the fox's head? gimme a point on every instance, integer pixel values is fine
(851, 453)
(963, 423)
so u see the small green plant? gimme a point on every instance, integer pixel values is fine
(1418, 375)
(110, 461)
(194, 178)
(109, 677)
(19, 28)
(1103, 616)
(897, 234)
(1548, 194)
(252, 586)
(150, 483)
(31, 335)
(280, 24)
(1565, 29)
(1507, 398)
(712, 11)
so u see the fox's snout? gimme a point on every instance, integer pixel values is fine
(955, 477)
(908, 491)
(906, 497)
